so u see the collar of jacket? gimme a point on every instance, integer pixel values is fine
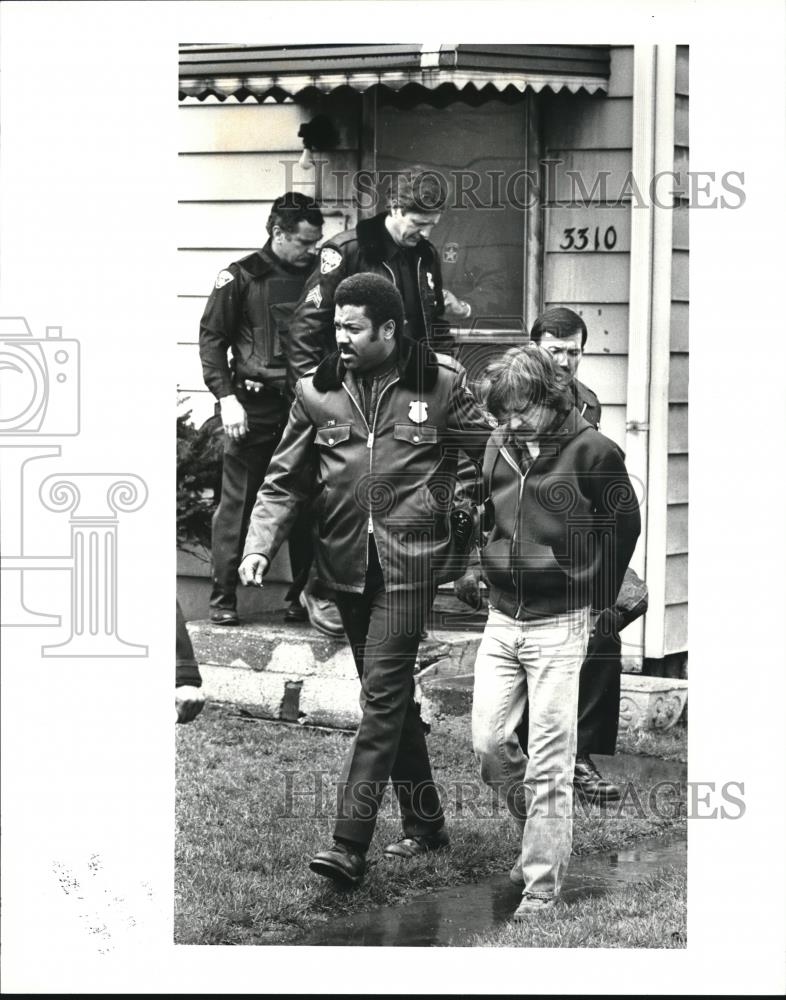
(380, 247)
(582, 395)
(418, 368)
(561, 433)
(263, 261)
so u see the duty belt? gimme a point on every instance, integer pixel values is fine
(256, 385)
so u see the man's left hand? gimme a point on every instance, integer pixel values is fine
(189, 702)
(455, 307)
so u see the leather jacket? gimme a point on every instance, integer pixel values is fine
(395, 472)
(247, 313)
(366, 248)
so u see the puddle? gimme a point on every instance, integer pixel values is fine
(452, 916)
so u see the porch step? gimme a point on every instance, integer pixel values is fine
(293, 673)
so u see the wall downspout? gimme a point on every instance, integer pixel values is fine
(657, 528)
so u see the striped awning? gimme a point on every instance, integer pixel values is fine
(266, 71)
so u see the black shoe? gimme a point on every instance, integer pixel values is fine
(323, 615)
(224, 616)
(413, 847)
(591, 785)
(345, 866)
(295, 613)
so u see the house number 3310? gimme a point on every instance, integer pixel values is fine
(589, 239)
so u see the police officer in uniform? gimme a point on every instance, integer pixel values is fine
(393, 244)
(240, 345)
(372, 433)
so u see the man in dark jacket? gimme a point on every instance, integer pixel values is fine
(562, 521)
(372, 436)
(246, 317)
(394, 244)
(563, 333)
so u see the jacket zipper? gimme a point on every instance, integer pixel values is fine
(523, 478)
(422, 308)
(420, 298)
(370, 446)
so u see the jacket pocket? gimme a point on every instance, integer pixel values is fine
(416, 434)
(263, 346)
(280, 317)
(329, 437)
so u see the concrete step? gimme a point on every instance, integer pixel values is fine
(292, 672)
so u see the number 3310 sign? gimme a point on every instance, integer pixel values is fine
(588, 238)
(589, 230)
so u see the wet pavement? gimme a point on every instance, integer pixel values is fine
(451, 917)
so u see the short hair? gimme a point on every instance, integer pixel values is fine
(292, 208)
(559, 322)
(378, 296)
(418, 190)
(524, 375)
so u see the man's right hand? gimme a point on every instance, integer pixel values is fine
(252, 569)
(467, 588)
(233, 417)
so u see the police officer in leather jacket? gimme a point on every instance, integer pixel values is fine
(395, 245)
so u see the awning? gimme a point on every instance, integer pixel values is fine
(260, 71)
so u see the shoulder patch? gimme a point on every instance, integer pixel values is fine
(223, 278)
(315, 296)
(329, 259)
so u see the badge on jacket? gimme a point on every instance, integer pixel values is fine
(329, 260)
(418, 411)
(224, 277)
(430, 280)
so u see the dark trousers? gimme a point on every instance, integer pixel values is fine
(244, 468)
(599, 696)
(384, 632)
(186, 667)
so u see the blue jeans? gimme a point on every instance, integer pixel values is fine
(535, 662)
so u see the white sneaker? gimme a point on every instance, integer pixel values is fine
(530, 905)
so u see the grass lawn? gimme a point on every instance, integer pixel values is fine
(248, 821)
(650, 914)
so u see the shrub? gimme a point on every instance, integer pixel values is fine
(199, 456)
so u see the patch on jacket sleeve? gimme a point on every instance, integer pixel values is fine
(223, 278)
(430, 280)
(329, 259)
(315, 296)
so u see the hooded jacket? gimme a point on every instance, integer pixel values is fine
(366, 248)
(563, 530)
(395, 472)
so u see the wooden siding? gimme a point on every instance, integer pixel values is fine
(589, 135)
(676, 616)
(235, 159)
